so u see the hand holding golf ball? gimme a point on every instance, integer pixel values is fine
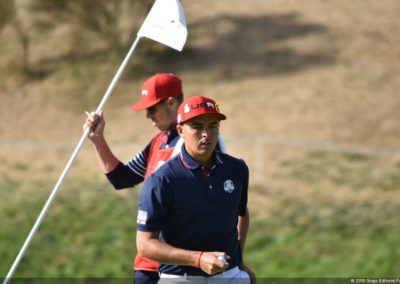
(222, 259)
(213, 262)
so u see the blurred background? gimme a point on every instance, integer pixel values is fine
(310, 89)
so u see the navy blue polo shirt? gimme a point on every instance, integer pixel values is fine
(196, 208)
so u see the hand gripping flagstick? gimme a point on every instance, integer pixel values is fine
(166, 24)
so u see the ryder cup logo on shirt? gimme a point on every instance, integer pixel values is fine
(229, 186)
(142, 217)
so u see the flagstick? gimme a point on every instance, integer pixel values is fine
(156, 26)
(68, 166)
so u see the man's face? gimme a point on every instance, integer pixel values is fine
(201, 136)
(162, 114)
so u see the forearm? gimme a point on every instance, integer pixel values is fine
(243, 227)
(105, 157)
(165, 253)
(123, 177)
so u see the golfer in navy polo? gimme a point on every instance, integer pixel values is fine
(193, 215)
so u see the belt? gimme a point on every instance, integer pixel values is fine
(225, 274)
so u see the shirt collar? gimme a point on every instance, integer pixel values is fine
(168, 138)
(192, 164)
(171, 133)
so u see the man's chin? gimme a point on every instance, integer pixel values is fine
(205, 151)
(159, 127)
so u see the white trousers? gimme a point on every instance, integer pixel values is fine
(231, 276)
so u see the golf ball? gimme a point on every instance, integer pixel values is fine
(221, 259)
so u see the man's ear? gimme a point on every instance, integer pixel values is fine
(179, 129)
(171, 101)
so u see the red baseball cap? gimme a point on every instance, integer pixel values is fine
(196, 106)
(159, 87)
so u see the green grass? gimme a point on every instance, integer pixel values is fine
(326, 231)
(351, 241)
(89, 231)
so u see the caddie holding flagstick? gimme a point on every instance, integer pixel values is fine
(193, 215)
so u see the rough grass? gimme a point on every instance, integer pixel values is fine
(318, 232)
(325, 239)
(89, 231)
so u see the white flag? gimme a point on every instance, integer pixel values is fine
(166, 24)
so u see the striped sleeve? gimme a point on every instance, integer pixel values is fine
(131, 174)
(138, 164)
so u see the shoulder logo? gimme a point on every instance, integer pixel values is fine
(229, 186)
(142, 217)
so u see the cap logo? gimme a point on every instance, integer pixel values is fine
(187, 108)
(145, 92)
(210, 105)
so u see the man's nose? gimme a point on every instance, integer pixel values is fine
(205, 132)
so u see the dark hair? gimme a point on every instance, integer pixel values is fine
(179, 99)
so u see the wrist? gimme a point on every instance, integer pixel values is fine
(99, 141)
(198, 259)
